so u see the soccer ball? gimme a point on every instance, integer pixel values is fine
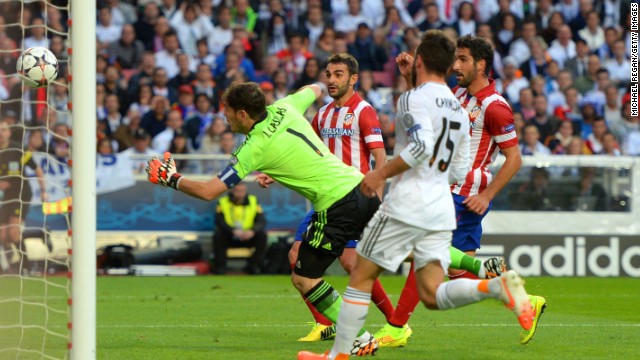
(37, 66)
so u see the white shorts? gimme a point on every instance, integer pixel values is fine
(387, 242)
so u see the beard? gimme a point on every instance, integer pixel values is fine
(467, 79)
(340, 91)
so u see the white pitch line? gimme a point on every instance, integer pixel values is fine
(255, 325)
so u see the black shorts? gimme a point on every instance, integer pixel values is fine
(331, 229)
(15, 207)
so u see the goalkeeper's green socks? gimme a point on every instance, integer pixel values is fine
(462, 261)
(327, 301)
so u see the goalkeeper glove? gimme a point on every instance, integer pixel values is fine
(163, 173)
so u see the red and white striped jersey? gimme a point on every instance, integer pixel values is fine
(350, 132)
(492, 127)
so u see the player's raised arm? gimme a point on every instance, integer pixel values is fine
(302, 99)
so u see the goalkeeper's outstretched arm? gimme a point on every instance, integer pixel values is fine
(165, 174)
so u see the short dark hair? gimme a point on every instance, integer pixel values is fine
(437, 51)
(479, 48)
(246, 96)
(347, 59)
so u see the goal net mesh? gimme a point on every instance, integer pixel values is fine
(35, 243)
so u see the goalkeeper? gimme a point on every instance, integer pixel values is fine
(281, 143)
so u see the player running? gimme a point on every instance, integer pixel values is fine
(492, 130)
(418, 215)
(281, 144)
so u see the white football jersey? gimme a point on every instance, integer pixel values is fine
(432, 136)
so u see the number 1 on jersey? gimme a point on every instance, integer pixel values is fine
(447, 126)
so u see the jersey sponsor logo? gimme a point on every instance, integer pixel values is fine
(376, 131)
(473, 114)
(336, 132)
(507, 129)
(348, 119)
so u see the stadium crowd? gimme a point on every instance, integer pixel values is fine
(162, 66)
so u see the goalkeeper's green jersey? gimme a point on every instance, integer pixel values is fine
(284, 146)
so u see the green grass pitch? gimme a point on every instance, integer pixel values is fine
(260, 317)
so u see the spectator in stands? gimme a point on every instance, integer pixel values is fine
(101, 112)
(222, 34)
(369, 88)
(277, 34)
(628, 131)
(506, 34)
(596, 95)
(184, 76)
(185, 104)
(587, 82)
(432, 20)
(294, 57)
(154, 121)
(512, 82)
(122, 12)
(190, 25)
(244, 16)
(544, 10)
(393, 29)
(568, 8)
(591, 196)
(145, 26)
(312, 25)
(325, 46)
(562, 48)
(310, 73)
(142, 103)
(105, 147)
(593, 33)
(559, 142)
(160, 29)
(535, 195)
(369, 55)
(141, 140)
(167, 58)
(578, 64)
(545, 123)
(531, 144)
(59, 141)
(557, 97)
(594, 141)
(350, 21)
(199, 121)
(589, 115)
(162, 141)
(521, 48)
(106, 31)
(35, 142)
(466, 23)
(585, 7)
(113, 118)
(204, 56)
(55, 22)
(233, 71)
(237, 47)
(210, 143)
(525, 106)
(179, 146)
(612, 108)
(58, 98)
(280, 88)
(550, 32)
(619, 66)
(610, 145)
(204, 83)
(240, 222)
(124, 135)
(168, 8)
(576, 147)
(114, 84)
(143, 75)
(127, 51)
(605, 52)
(267, 89)
(159, 85)
(539, 60)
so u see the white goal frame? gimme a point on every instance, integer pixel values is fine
(83, 173)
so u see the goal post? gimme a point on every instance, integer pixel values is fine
(83, 172)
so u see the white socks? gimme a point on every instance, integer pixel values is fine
(353, 313)
(461, 292)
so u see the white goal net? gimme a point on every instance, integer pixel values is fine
(35, 289)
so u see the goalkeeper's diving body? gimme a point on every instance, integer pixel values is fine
(281, 144)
